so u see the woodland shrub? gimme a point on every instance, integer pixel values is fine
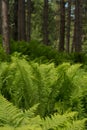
(39, 52)
(42, 53)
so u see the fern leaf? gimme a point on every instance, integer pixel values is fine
(9, 114)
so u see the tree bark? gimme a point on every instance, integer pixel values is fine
(5, 26)
(28, 20)
(77, 38)
(45, 23)
(62, 26)
(15, 20)
(68, 26)
(0, 19)
(21, 20)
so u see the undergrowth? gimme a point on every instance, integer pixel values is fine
(47, 90)
(12, 118)
(43, 54)
(59, 88)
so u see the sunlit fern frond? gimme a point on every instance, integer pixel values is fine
(77, 125)
(9, 114)
(67, 121)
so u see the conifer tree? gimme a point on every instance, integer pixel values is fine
(21, 20)
(45, 23)
(0, 19)
(28, 20)
(62, 25)
(5, 26)
(77, 38)
(15, 20)
(68, 26)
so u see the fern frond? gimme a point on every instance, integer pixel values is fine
(27, 127)
(78, 125)
(29, 83)
(3, 69)
(31, 112)
(9, 114)
(67, 121)
(7, 128)
(73, 70)
(12, 116)
(56, 121)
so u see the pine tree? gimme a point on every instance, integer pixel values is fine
(21, 20)
(0, 19)
(5, 26)
(77, 38)
(68, 26)
(62, 25)
(15, 20)
(28, 20)
(45, 23)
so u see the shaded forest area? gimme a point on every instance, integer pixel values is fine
(59, 24)
(43, 64)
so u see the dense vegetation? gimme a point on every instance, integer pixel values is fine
(43, 65)
(46, 92)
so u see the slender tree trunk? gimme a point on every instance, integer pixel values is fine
(68, 27)
(16, 20)
(21, 20)
(0, 19)
(45, 23)
(5, 26)
(77, 38)
(57, 20)
(62, 25)
(28, 20)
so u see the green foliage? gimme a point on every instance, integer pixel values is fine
(28, 84)
(37, 21)
(3, 55)
(66, 121)
(9, 114)
(58, 89)
(43, 54)
(36, 18)
(12, 118)
(40, 52)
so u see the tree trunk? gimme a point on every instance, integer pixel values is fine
(5, 26)
(45, 23)
(15, 20)
(28, 20)
(0, 19)
(77, 38)
(62, 26)
(21, 20)
(68, 26)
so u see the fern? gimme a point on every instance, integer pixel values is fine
(12, 118)
(3, 70)
(9, 114)
(67, 121)
(44, 84)
(59, 88)
(70, 94)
